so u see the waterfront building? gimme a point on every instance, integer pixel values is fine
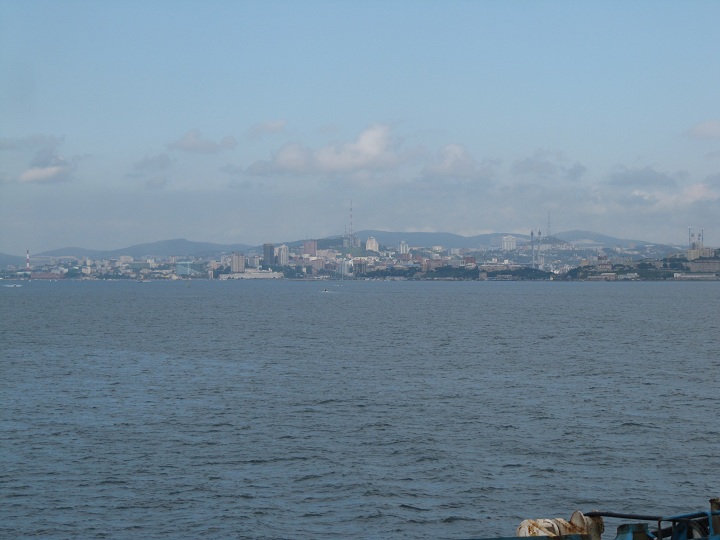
(345, 267)
(360, 266)
(238, 263)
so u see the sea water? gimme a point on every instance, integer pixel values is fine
(280, 409)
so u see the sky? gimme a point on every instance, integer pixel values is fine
(249, 122)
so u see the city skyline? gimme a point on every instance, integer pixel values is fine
(246, 123)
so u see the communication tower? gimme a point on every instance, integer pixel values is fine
(350, 240)
(548, 227)
(532, 246)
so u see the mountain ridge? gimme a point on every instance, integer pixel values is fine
(181, 247)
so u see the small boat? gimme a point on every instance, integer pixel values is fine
(703, 524)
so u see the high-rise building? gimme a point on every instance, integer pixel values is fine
(359, 266)
(509, 243)
(268, 255)
(346, 267)
(372, 244)
(238, 263)
(695, 237)
(283, 255)
(403, 248)
(310, 248)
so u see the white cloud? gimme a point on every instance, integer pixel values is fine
(657, 191)
(706, 130)
(292, 157)
(682, 199)
(642, 178)
(374, 149)
(546, 164)
(193, 142)
(153, 163)
(695, 193)
(46, 174)
(267, 128)
(455, 161)
(535, 165)
(48, 167)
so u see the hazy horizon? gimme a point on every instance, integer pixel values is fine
(129, 123)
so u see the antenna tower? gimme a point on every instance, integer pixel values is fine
(548, 227)
(532, 246)
(351, 241)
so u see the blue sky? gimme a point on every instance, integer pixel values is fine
(251, 122)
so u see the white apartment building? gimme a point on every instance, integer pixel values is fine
(509, 243)
(282, 253)
(372, 244)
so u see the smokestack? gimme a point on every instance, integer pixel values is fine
(27, 261)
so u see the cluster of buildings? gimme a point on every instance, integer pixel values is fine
(347, 257)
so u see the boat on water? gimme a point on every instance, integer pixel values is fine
(704, 524)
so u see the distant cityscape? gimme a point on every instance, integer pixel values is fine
(513, 257)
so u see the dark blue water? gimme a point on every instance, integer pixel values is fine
(375, 410)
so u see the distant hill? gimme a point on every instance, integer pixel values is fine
(77, 252)
(591, 239)
(166, 248)
(581, 239)
(447, 240)
(14, 260)
(186, 248)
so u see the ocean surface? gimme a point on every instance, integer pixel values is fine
(274, 409)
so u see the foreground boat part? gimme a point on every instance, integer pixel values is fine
(579, 524)
(590, 526)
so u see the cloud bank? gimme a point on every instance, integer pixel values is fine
(706, 130)
(193, 142)
(48, 167)
(153, 163)
(455, 161)
(267, 128)
(374, 149)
